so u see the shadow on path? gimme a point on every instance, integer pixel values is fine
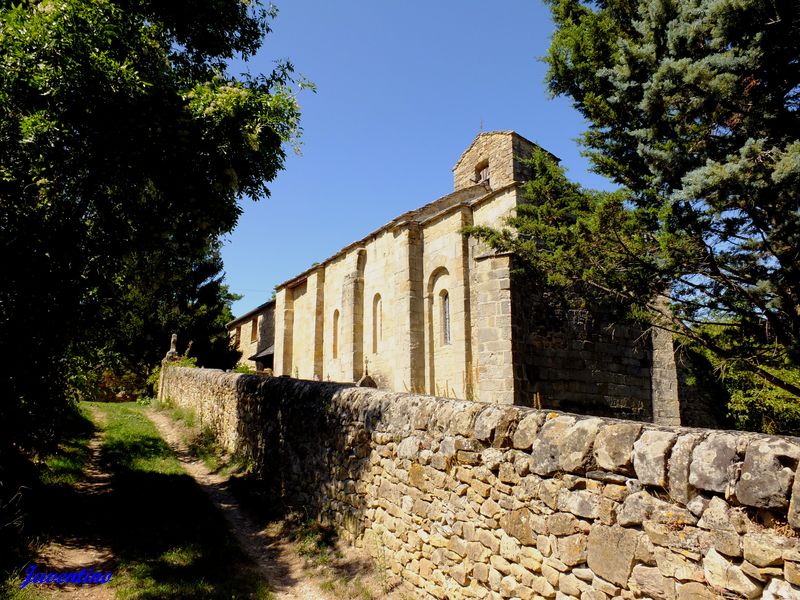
(277, 561)
(137, 515)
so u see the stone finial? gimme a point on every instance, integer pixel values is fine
(172, 353)
(366, 380)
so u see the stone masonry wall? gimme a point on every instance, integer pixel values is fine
(571, 362)
(472, 500)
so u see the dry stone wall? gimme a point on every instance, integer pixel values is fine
(472, 500)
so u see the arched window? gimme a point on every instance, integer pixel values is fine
(377, 323)
(444, 302)
(335, 346)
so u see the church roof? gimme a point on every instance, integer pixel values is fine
(472, 195)
(251, 313)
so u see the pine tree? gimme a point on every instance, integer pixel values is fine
(692, 108)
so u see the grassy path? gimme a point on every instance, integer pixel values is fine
(124, 495)
(276, 558)
(137, 514)
(168, 538)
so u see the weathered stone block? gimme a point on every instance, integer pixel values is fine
(677, 566)
(780, 590)
(549, 490)
(613, 446)
(526, 431)
(460, 575)
(768, 473)
(494, 425)
(509, 548)
(711, 459)
(523, 525)
(642, 506)
(793, 516)
(575, 447)
(571, 585)
(572, 549)
(723, 574)
(480, 572)
(762, 574)
(545, 455)
(650, 454)
(677, 537)
(718, 515)
(648, 581)
(491, 458)
(695, 591)
(728, 543)
(477, 552)
(791, 572)
(766, 549)
(611, 551)
(678, 467)
(580, 503)
(563, 524)
(608, 588)
(409, 448)
(490, 508)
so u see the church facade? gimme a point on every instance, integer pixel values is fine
(418, 306)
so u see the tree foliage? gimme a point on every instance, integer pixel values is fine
(692, 107)
(125, 145)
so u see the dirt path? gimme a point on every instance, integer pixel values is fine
(289, 575)
(276, 558)
(88, 551)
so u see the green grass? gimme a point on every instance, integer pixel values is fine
(314, 541)
(170, 541)
(204, 446)
(11, 590)
(185, 415)
(27, 519)
(167, 538)
(65, 466)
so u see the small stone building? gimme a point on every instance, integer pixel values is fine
(253, 334)
(421, 307)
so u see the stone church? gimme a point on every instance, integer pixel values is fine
(420, 307)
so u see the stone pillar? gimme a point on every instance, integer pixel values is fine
(410, 356)
(470, 370)
(316, 289)
(284, 324)
(664, 379)
(352, 319)
(491, 279)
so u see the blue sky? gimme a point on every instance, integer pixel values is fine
(402, 89)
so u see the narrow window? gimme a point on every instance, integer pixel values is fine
(482, 172)
(254, 330)
(445, 316)
(238, 339)
(335, 347)
(377, 322)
